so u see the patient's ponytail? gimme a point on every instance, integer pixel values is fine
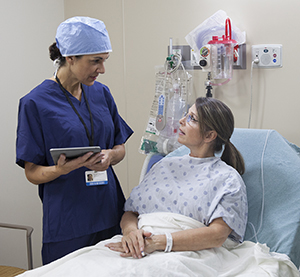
(233, 157)
(215, 115)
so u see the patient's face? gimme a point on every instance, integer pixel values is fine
(189, 133)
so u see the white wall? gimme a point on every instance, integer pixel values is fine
(143, 29)
(27, 30)
(140, 32)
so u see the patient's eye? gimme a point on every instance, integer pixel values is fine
(193, 118)
(190, 117)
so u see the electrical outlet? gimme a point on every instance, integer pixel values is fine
(269, 55)
(194, 62)
(241, 60)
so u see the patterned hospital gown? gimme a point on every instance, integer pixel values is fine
(201, 188)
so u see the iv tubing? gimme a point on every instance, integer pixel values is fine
(220, 84)
(263, 190)
(178, 63)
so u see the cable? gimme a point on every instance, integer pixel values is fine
(263, 190)
(263, 182)
(251, 92)
(255, 61)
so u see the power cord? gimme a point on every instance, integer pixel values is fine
(255, 61)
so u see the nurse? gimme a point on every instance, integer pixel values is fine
(72, 109)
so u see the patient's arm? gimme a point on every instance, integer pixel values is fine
(137, 241)
(133, 239)
(193, 239)
(129, 222)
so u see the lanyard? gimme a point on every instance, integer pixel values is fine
(90, 136)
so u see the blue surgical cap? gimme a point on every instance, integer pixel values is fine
(82, 36)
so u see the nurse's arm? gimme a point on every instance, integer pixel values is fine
(38, 174)
(116, 154)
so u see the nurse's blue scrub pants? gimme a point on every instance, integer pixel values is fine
(55, 250)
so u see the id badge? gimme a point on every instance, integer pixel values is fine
(96, 178)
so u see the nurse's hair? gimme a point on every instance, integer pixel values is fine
(215, 115)
(55, 54)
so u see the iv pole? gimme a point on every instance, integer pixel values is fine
(208, 85)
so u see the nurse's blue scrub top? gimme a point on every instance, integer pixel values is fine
(46, 120)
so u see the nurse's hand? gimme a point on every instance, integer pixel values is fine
(108, 157)
(102, 163)
(66, 165)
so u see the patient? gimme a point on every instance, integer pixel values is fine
(200, 185)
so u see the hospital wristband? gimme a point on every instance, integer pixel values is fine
(169, 243)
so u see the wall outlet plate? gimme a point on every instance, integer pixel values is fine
(269, 55)
(185, 52)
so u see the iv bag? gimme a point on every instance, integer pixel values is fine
(168, 136)
(149, 139)
(164, 140)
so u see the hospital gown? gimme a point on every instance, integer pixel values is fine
(201, 188)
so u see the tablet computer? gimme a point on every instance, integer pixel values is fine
(72, 152)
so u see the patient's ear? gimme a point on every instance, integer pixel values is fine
(210, 136)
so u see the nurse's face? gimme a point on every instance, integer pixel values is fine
(87, 68)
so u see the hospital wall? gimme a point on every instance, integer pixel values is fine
(139, 32)
(27, 29)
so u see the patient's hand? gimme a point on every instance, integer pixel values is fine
(116, 246)
(132, 244)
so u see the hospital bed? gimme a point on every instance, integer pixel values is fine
(272, 178)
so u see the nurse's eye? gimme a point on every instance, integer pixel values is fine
(97, 60)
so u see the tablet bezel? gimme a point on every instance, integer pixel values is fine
(72, 152)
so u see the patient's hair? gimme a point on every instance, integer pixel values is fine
(215, 115)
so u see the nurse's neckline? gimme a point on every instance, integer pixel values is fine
(77, 95)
